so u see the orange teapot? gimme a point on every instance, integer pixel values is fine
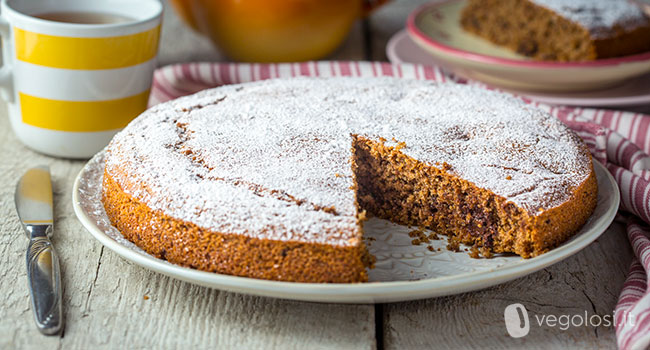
(274, 30)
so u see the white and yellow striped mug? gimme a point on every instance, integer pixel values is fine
(70, 87)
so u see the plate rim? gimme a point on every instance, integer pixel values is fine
(393, 55)
(359, 293)
(413, 29)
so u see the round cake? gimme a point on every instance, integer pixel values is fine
(273, 179)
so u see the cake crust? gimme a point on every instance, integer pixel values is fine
(185, 243)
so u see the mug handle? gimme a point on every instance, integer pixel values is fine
(6, 77)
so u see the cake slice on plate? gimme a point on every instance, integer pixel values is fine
(561, 30)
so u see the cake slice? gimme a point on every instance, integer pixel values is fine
(561, 30)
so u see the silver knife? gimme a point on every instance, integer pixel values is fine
(34, 206)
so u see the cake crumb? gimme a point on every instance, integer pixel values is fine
(453, 245)
(362, 216)
(420, 236)
(474, 253)
(486, 253)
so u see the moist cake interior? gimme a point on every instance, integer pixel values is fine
(396, 187)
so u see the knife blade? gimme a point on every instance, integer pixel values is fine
(34, 205)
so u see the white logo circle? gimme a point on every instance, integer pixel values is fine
(517, 322)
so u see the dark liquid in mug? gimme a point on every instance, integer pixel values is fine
(79, 17)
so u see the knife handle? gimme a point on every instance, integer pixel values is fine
(44, 278)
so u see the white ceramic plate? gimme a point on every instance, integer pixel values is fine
(403, 271)
(436, 28)
(632, 93)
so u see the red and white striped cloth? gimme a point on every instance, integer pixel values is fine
(620, 140)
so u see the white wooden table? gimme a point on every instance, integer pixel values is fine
(112, 304)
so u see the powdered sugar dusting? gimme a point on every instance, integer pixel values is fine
(272, 158)
(599, 17)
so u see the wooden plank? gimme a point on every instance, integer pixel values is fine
(104, 297)
(17, 328)
(110, 303)
(588, 282)
(144, 310)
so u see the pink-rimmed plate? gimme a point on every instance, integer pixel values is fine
(633, 94)
(435, 27)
